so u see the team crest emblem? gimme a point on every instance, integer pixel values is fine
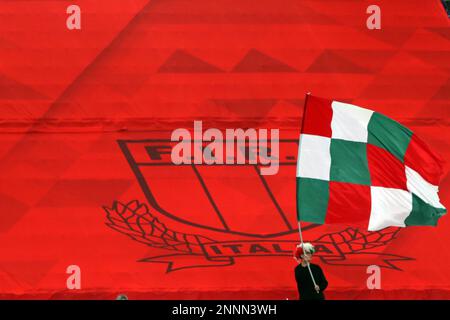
(211, 215)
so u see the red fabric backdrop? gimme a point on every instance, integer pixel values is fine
(83, 110)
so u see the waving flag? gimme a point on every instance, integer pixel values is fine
(357, 166)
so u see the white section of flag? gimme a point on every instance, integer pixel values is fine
(314, 160)
(350, 122)
(389, 207)
(422, 188)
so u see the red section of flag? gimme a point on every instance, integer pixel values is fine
(348, 203)
(317, 117)
(385, 169)
(420, 158)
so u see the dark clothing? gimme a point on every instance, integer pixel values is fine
(305, 284)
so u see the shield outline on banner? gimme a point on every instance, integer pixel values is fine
(152, 201)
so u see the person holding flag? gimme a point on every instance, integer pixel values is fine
(309, 289)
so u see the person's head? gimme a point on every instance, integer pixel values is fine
(122, 297)
(304, 252)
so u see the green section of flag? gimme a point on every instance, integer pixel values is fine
(312, 200)
(423, 214)
(349, 162)
(388, 134)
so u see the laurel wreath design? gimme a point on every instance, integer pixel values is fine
(352, 240)
(135, 220)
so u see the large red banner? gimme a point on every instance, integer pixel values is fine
(85, 137)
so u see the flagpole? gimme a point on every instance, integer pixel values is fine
(299, 224)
